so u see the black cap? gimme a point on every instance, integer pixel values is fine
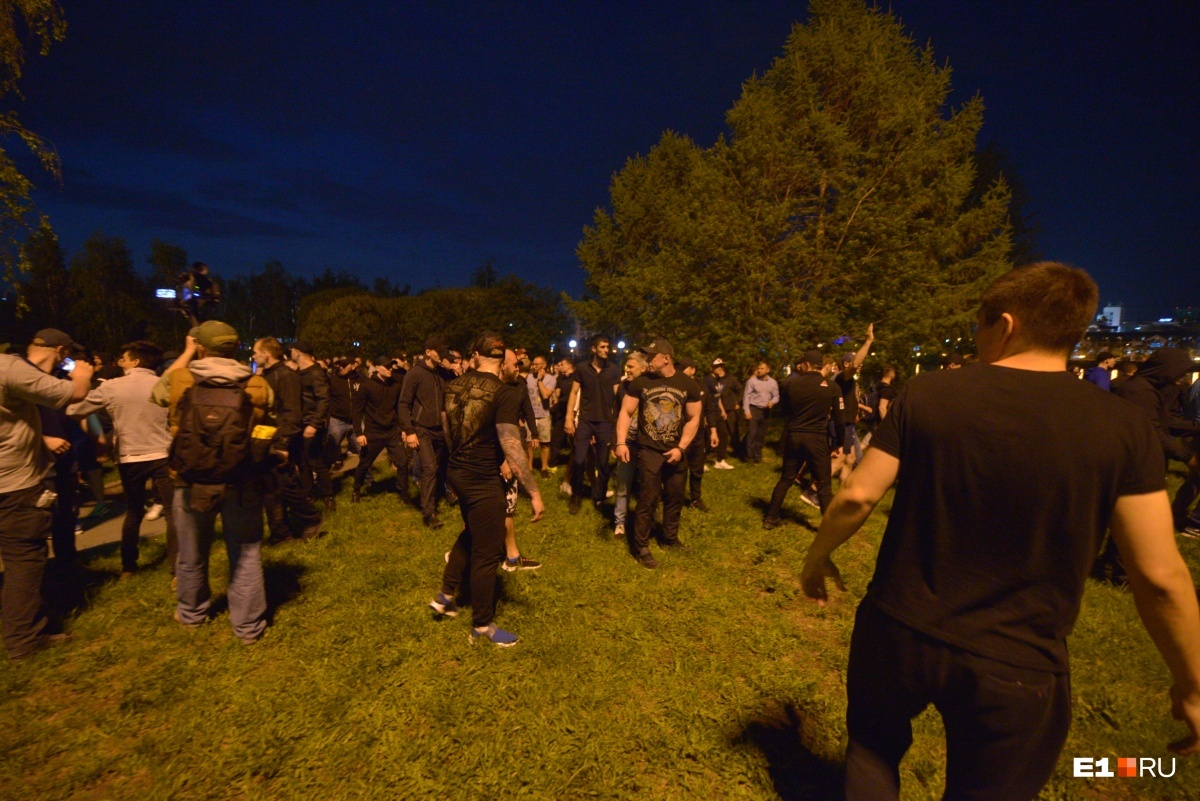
(53, 338)
(683, 363)
(659, 345)
(438, 346)
(303, 347)
(812, 356)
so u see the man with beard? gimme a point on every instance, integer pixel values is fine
(377, 427)
(698, 450)
(668, 406)
(593, 395)
(483, 416)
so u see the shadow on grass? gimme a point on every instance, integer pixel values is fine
(282, 582)
(796, 772)
(787, 516)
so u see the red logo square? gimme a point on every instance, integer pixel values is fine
(1127, 767)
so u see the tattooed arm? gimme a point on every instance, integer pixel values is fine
(514, 454)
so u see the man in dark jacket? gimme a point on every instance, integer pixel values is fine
(343, 385)
(421, 418)
(284, 492)
(314, 416)
(377, 426)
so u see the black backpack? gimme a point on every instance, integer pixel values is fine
(214, 436)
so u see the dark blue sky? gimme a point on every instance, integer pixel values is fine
(418, 141)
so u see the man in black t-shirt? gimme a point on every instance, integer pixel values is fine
(1009, 475)
(483, 417)
(593, 394)
(705, 438)
(809, 402)
(848, 418)
(667, 403)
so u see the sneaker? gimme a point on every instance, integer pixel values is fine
(154, 512)
(499, 637)
(433, 522)
(608, 494)
(647, 560)
(311, 532)
(565, 488)
(78, 529)
(811, 498)
(771, 522)
(699, 506)
(1192, 532)
(619, 531)
(444, 606)
(355, 497)
(520, 563)
(722, 465)
(573, 506)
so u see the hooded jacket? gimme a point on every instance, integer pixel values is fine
(1154, 390)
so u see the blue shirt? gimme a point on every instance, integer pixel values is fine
(1099, 377)
(761, 392)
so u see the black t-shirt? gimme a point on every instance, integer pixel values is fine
(596, 391)
(1007, 484)
(662, 408)
(563, 384)
(809, 402)
(846, 385)
(476, 403)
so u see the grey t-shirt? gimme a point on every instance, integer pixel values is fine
(24, 458)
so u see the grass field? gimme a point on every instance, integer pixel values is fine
(711, 677)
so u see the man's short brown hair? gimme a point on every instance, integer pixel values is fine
(272, 347)
(1053, 303)
(148, 354)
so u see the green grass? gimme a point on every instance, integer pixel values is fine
(711, 677)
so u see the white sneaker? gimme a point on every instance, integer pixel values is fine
(619, 531)
(609, 494)
(723, 465)
(154, 512)
(565, 488)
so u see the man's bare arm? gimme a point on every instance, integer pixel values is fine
(1166, 599)
(572, 403)
(849, 510)
(514, 453)
(692, 426)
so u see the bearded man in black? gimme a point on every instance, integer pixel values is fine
(483, 417)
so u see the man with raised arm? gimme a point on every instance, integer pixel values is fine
(982, 565)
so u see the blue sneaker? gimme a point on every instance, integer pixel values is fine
(499, 637)
(444, 606)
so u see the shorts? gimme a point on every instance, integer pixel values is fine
(543, 429)
(510, 497)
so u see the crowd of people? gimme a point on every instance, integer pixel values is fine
(1009, 474)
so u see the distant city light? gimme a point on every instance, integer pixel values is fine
(356, 344)
(573, 344)
(1166, 319)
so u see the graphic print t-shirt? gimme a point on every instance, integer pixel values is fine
(662, 408)
(476, 403)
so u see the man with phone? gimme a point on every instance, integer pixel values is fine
(25, 503)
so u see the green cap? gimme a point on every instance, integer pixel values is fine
(219, 338)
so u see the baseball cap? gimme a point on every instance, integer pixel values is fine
(657, 346)
(53, 338)
(438, 346)
(847, 358)
(216, 336)
(303, 347)
(812, 356)
(718, 362)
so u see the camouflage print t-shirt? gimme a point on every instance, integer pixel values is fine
(475, 403)
(662, 408)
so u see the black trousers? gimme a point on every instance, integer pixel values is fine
(722, 449)
(393, 443)
(695, 461)
(66, 511)
(312, 461)
(558, 437)
(584, 433)
(134, 476)
(431, 450)
(756, 435)
(480, 547)
(283, 496)
(1005, 725)
(733, 422)
(658, 478)
(23, 531)
(800, 449)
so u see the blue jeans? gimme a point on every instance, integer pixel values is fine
(241, 511)
(624, 474)
(338, 431)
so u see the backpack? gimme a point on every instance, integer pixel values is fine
(214, 436)
(872, 400)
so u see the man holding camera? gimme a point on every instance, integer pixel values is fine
(25, 503)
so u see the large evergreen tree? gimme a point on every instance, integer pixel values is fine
(843, 194)
(110, 301)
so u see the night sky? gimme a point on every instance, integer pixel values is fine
(419, 141)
